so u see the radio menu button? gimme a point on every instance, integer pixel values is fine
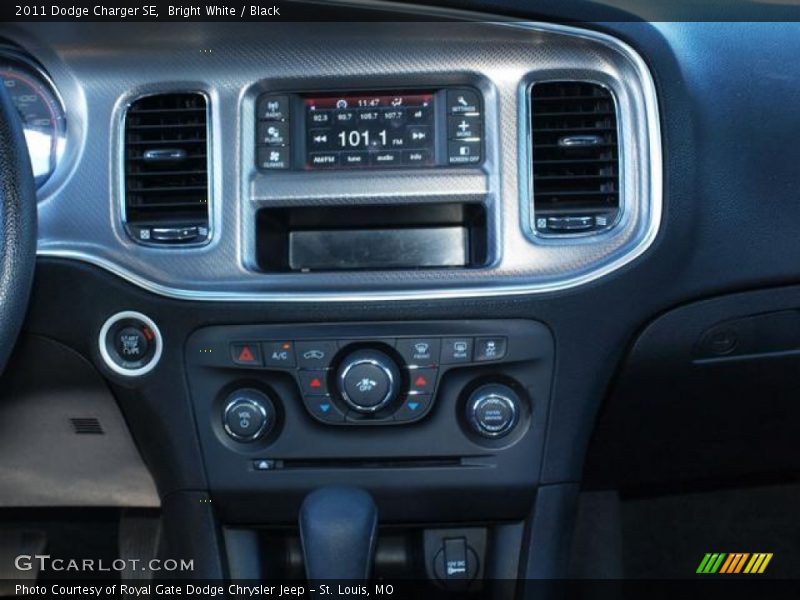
(273, 108)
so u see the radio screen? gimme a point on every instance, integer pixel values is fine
(370, 130)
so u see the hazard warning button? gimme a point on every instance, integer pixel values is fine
(246, 354)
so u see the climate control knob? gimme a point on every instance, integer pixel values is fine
(368, 380)
(493, 410)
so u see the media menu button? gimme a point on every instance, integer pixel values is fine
(273, 133)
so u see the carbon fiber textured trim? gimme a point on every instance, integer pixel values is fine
(99, 70)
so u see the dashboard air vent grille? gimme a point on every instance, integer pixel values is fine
(166, 169)
(575, 157)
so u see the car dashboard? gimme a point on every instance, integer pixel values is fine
(431, 254)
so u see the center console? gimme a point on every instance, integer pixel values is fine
(407, 410)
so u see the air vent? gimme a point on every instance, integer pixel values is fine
(166, 169)
(86, 425)
(575, 158)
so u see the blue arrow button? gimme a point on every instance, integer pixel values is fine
(325, 407)
(413, 405)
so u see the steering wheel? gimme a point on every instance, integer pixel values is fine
(17, 226)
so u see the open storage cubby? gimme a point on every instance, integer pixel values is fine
(381, 237)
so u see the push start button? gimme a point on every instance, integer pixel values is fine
(133, 343)
(130, 344)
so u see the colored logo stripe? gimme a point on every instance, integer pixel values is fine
(733, 563)
(758, 563)
(711, 562)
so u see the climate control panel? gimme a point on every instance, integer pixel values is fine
(357, 380)
(401, 408)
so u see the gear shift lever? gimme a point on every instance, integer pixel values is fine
(338, 531)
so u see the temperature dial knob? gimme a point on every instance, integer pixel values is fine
(368, 380)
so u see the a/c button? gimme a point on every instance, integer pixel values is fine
(279, 354)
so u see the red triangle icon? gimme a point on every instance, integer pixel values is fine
(246, 355)
(315, 383)
(420, 381)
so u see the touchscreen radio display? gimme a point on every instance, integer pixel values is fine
(383, 129)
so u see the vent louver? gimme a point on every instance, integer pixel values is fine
(575, 157)
(166, 169)
(86, 425)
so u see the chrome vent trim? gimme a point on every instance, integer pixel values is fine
(575, 158)
(166, 169)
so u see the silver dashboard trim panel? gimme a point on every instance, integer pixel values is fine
(514, 279)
